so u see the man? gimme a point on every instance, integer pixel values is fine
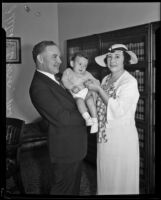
(67, 133)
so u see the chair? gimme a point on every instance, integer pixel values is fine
(14, 128)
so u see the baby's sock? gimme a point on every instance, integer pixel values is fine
(94, 127)
(87, 118)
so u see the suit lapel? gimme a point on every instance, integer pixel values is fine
(55, 85)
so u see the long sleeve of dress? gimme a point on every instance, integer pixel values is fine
(126, 99)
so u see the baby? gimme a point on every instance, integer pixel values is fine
(74, 80)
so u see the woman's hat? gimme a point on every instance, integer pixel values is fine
(100, 59)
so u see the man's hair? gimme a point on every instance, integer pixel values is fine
(79, 54)
(39, 48)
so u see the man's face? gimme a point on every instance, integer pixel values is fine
(50, 59)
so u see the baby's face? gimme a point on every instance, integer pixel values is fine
(80, 65)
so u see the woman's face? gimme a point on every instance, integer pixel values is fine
(115, 61)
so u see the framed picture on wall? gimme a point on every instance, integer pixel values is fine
(13, 50)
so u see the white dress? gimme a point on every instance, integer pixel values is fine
(118, 144)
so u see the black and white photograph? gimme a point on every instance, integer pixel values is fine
(81, 99)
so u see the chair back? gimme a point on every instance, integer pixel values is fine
(14, 129)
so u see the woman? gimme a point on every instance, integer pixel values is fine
(117, 141)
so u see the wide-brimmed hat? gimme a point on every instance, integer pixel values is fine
(100, 59)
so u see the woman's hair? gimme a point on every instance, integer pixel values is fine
(39, 48)
(79, 54)
(127, 58)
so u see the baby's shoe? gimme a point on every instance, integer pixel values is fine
(94, 128)
(89, 122)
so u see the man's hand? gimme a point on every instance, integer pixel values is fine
(75, 89)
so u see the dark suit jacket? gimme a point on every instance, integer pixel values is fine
(67, 132)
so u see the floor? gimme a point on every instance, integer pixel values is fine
(35, 174)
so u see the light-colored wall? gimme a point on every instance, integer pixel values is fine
(40, 23)
(81, 19)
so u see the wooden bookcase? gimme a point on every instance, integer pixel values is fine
(142, 40)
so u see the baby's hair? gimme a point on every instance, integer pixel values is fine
(79, 54)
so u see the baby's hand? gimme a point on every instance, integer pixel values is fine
(75, 89)
(88, 82)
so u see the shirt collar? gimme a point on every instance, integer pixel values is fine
(49, 75)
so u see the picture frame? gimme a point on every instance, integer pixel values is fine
(13, 50)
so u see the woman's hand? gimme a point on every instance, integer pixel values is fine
(91, 85)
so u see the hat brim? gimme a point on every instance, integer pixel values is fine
(134, 59)
(100, 60)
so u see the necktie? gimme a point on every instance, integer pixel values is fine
(58, 78)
